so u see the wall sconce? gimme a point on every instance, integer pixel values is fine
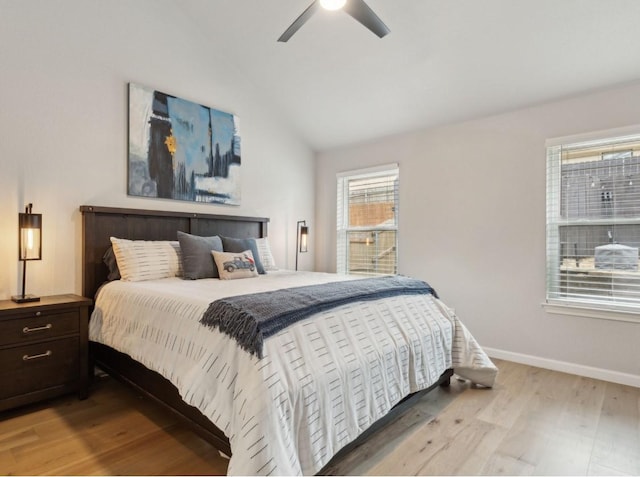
(302, 232)
(29, 247)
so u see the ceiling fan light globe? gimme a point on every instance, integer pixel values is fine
(332, 4)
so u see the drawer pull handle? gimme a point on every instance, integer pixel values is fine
(26, 330)
(26, 357)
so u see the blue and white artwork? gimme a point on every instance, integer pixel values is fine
(182, 150)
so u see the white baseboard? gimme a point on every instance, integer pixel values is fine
(565, 367)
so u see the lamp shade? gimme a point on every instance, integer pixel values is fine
(304, 233)
(30, 238)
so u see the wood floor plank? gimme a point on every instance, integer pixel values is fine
(529, 438)
(45, 457)
(479, 439)
(571, 442)
(597, 470)
(37, 414)
(500, 464)
(617, 441)
(516, 389)
(171, 451)
(77, 437)
(20, 436)
(413, 455)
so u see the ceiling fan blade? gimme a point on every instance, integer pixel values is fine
(301, 20)
(361, 12)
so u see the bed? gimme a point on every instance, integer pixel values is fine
(314, 415)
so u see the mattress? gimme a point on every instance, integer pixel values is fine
(321, 382)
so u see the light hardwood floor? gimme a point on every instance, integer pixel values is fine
(533, 422)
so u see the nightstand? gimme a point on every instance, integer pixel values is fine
(43, 349)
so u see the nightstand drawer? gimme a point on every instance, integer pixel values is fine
(39, 366)
(38, 326)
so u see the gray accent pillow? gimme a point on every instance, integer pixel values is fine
(237, 245)
(109, 259)
(197, 261)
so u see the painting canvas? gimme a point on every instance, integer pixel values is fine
(182, 150)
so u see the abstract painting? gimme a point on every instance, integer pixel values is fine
(182, 150)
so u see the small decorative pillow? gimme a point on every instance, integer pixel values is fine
(232, 265)
(140, 260)
(264, 250)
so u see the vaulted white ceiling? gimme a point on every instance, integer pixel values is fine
(444, 60)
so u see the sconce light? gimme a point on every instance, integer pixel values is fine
(29, 247)
(302, 232)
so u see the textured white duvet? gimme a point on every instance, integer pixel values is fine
(322, 381)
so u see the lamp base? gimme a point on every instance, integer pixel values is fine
(25, 298)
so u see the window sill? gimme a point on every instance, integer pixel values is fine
(586, 311)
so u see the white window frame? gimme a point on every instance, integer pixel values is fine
(558, 305)
(343, 227)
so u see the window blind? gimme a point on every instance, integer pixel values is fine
(367, 221)
(593, 223)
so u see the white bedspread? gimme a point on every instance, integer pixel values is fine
(322, 381)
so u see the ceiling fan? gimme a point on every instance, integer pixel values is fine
(358, 9)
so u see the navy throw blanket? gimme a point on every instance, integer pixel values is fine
(250, 319)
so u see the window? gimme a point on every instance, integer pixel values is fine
(367, 227)
(593, 223)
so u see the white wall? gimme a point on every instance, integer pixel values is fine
(64, 69)
(472, 223)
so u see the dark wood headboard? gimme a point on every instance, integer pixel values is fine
(101, 223)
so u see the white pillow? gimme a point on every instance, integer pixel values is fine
(140, 260)
(268, 263)
(232, 265)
